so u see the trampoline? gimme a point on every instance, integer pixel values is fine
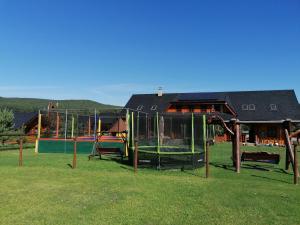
(168, 140)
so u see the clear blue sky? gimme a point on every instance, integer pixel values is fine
(108, 50)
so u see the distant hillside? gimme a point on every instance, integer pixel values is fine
(34, 104)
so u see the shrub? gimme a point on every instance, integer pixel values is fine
(6, 123)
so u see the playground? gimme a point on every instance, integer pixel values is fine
(164, 140)
(45, 190)
(135, 168)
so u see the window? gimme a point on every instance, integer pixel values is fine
(154, 107)
(213, 108)
(218, 108)
(273, 107)
(272, 132)
(252, 107)
(244, 107)
(203, 108)
(140, 107)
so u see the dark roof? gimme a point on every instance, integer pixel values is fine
(23, 118)
(204, 96)
(146, 102)
(284, 101)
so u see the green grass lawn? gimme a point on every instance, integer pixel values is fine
(47, 191)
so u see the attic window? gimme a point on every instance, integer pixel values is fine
(245, 107)
(154, 107)
(273, 107)
(140, 107)
(252, 107)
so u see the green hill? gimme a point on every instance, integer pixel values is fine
(34, 104)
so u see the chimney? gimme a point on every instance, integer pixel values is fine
(160, 92)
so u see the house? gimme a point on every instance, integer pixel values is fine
(25, 120)
(261, 113)
(28, 122)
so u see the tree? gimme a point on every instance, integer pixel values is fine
(6, 123)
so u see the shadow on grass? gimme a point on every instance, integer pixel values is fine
(131, 169)
(192, 173)
(279, 170)
(108, 158)
(257, 167)
(250, 167)
(70, 165)
(268, 178)
(223, 166)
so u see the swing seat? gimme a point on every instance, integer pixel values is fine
(264, 157)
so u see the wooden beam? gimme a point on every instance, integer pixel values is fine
(233, 136)
(289, 151)
(237, 148)
(75, 154)
(223, 123)
(296, 172)
(295, 134)
(89, 124)
(288, 147)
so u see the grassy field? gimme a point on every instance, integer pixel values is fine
(47, 191)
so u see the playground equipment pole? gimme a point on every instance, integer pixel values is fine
(57, 124)
(295, 165)
(138, 126)
(99, 125)
(158, 139)
(237, 145)
(75, 154)
(89, 124)
(72, 131)
(132, 129)
(66, 127)
(135, 156)
(207, 160)
(21, 152)
(204, 132)
(128, 132)
(158, 134)
(95, 125)
(39, 133)
(193, 139)
(288, 151)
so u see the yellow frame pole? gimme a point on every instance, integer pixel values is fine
(36, 150)
(72, 131)
(99, 126)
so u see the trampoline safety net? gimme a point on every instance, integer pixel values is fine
(169, 140)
